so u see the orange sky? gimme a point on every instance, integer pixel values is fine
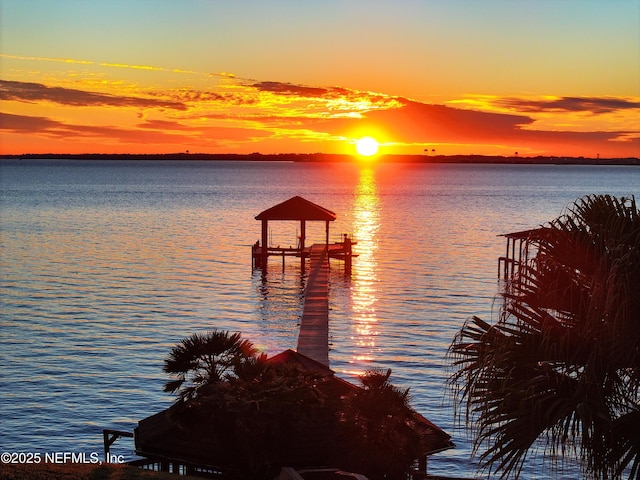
(454, 77)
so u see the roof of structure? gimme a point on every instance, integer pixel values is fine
(292, 357)
(297, 208)
(531, 234)
(441, 439)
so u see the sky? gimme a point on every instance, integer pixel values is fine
(434, 77)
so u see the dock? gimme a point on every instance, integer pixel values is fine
(339, 250)
(313, 337)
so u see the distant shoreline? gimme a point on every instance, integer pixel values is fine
(333, 158)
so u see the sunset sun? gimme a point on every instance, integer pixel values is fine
(367, 146)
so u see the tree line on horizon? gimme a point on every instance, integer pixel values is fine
(333, 157)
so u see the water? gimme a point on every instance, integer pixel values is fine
(108, 264)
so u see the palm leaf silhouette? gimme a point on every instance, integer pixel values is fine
(561, 366)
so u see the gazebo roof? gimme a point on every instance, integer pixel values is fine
(292, 357)
(531, 234)
(297, 208)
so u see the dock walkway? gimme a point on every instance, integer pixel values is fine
(313, 338)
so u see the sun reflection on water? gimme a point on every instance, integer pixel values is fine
(366, 222)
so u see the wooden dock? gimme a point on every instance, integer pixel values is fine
(338, 250)
(313, 338)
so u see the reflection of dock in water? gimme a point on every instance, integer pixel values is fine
(313, 338)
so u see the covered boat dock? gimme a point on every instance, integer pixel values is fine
(301, 210)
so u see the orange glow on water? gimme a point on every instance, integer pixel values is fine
(364, 294)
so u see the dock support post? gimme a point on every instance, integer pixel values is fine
(265, 241)
(109, 438)
(422, 464)
(348, 253)
(303, 234)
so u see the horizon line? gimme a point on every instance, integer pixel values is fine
(319, 156)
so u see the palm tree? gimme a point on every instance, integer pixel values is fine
(255, 413)
(562, 364)
(379, 430)
(201, 360)
(258, 414)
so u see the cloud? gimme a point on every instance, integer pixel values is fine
(415, 122)
(225, 133)
(290, 89)
(52, 128)
(198, 96)
(149, 132)
(25, 124)
(340, 113)
(164, 125)
(47, 59)
(326, 93)
(114, 65)
(37, 92)
(595, 105)
(419, 123)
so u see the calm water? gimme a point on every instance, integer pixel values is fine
(106, 265)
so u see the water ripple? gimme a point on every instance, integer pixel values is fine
(107, 265)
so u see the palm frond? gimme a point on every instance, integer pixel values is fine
(562, 364)
(202, 359)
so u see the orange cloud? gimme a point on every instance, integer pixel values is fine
(45, 59)
(54, 128)
(113, 65)
(149, 132)
(418, 123)
(594, 105)
(37, 92)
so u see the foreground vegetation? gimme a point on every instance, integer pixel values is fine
(561, 367)
(261, 415)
